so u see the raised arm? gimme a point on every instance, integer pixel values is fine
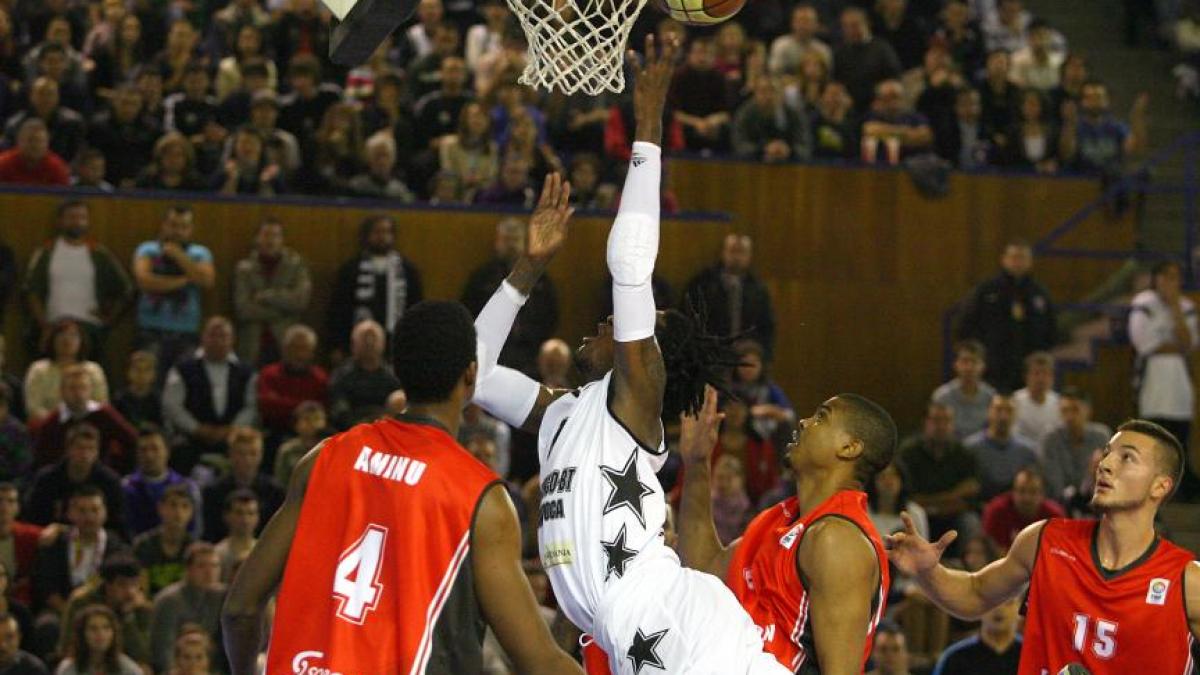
(638, 373)
(259, 575)
(509, 394)
(840, 566)
(504, 595)
(699, 546)
(966, 595)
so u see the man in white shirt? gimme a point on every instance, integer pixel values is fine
(1163, 331)
(1037, 65)
(1037, 404)
(787, 51)
(73, 277)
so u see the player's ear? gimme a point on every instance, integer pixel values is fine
(470, 375)
(851, 448)
(1162, 486)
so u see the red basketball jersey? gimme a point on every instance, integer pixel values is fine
(379, 579)
(1113, 623)
(764, 577)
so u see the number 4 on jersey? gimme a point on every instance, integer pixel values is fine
(356, 582)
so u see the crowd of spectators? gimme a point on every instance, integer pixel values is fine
(134, 499)
(239, 97)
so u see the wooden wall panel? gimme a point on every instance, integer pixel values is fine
(861, 265)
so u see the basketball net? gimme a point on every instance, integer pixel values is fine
(576, 45)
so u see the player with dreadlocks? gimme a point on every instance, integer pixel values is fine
(600, 531)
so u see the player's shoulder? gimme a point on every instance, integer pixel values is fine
(836, 535)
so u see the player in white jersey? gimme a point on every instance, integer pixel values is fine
(600, 530)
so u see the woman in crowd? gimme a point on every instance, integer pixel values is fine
(192, 653)
(804, 93)
(1032, 143)
(732, 509)
(523, 142)
(64, 346)
(471, 153)
(116, 61)
(249, 171)
(229, 70)
(173, 167)
(770, 408)
(96, 646)
(757, 453)
(337, 157)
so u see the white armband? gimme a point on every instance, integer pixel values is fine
(506, 394)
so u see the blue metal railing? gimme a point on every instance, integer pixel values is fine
(1136, 182)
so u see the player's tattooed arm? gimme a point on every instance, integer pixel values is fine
(699, 546)
(503, 590)
(966, 595)
(639, 380)
(1191, 594)
(840, 570)
(259, 575)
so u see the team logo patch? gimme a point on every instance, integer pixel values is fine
(1157, 593)
(789, 540)
(558, 553)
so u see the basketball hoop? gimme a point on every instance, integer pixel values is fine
(576, 45)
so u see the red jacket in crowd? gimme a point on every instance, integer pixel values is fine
(280, 391)
(15, 168)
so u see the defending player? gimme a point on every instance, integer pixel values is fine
(602, 512)
(1108, 594)
(811, 571)
(399, 544)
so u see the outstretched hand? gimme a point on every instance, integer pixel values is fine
(654, 74)
(911, 553)
(698, 433)
(547, 230)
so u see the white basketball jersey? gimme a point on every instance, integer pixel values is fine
(603, 509)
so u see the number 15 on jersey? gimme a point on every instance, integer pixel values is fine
(356, 581)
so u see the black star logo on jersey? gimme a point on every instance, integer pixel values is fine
(618, 555)
(627, 489)
(643, 653)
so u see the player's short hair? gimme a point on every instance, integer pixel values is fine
(239, 496)
(245, 434)
(972, 347)
(1170, 450)
(692, 359)
(1032, 471)
(86, 491)
(196, 549)
(120, 566)
(255, 66)
(177, 491)
(306, 408)
(81, 431)
(432, 346)
(868, 422)
(1073, 392)
(1039, 359)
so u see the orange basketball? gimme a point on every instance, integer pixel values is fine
(700, 12)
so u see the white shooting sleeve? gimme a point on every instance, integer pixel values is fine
(508, 395)
(633, 246)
